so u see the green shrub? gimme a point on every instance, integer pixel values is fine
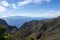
(2, 31)
(5, 37)
(31, 38)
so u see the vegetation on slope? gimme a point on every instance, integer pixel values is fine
(33, 30)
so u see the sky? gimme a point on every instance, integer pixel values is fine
(30, 8)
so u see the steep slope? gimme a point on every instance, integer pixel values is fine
(6, 29)
(3, 22)
(36, 30)
(3, 28)
(40, 30)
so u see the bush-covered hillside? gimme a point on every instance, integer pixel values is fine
(33, 30)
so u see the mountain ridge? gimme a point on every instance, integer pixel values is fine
(19, 20)
(48, 29)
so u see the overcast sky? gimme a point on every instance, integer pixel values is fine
(30, 8)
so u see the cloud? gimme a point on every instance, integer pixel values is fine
(25, 2)
(50, 14)
(14, 6)
(41, 1)
(5, 3)
(47, 14)
(2, 9)
(22, 3)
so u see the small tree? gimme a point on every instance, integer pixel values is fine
(31, 38)
(2, 30)
(5, 37)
